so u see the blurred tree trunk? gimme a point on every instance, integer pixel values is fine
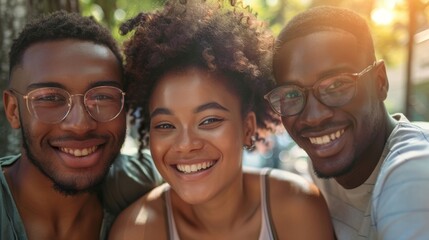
(13, 16)
(38, 7)
(109, 7)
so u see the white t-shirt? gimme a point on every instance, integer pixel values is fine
(393, 203)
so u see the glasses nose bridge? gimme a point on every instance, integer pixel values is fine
(307, 90)
(71, 96)
(314, 110)
(73, 102)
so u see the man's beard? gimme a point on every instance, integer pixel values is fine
(68, 187)
(340, 173)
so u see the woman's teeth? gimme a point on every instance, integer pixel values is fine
(191, 168)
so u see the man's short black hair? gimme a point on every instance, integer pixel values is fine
(328, 18)
(57, 26)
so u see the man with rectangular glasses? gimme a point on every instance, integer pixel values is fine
(372, 167)
(65, 95)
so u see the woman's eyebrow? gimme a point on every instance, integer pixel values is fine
(160, 111)
(210, 105)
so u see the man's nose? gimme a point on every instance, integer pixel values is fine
(315, 112)
(78, 119)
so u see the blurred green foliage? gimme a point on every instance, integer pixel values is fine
(390, 39)
(113, 12)
(388, 19)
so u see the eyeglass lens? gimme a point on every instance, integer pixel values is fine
(334, 91)
(52, 105)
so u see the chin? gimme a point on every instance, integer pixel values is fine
(87, 182)
(332, 172)
(73, 189)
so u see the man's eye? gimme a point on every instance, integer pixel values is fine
(292, 94)
(101, 97)
(338, 84)
(50, 98)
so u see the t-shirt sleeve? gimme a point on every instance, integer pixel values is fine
(128, 179)
(401, 198)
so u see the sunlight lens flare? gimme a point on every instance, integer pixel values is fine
(384, 11)
(382, 16)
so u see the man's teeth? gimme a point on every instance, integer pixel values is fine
(79, 152)
(326, 138)
(191, 168)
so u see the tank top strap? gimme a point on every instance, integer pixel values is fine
(171, 225)
(267, 232)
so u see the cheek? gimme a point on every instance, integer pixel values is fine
(288, 122)
(229, 141)
(158, 148)
(35, 135)
(365, 95)
(119, 126)
(364, 108)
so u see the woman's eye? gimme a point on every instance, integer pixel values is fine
(164, 126)
(211, 121)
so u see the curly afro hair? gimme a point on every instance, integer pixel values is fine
(212, 35)
(57, 26)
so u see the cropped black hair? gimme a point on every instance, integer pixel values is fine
(210, 35)
(57, 26)
(325, 18)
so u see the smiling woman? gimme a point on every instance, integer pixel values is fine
(198, 72)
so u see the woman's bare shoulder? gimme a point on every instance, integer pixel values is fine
(143, 219)
(281, 183)
(291, 184)
(297, 203)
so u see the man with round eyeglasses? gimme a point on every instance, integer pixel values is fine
(65, 95)
(371, 166)
(334, 91)
(52, 104)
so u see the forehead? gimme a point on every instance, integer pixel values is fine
(190, 88)
(317, 54)
(67, 63)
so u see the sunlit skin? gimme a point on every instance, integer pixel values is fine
(351, 157)
(75, 66)
(202, 128)
(196, 120)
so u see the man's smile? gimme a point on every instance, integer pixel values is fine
(79, 152)
(325, 139)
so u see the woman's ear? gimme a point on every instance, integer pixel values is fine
(249, 128)
(10, 104)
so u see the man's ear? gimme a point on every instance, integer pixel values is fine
(382, 84)
(10, 104)
(249, 128)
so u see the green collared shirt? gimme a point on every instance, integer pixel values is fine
(127, 179)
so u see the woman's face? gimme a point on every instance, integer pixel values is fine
(197, 134)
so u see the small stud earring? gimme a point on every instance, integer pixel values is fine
(252, 145)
